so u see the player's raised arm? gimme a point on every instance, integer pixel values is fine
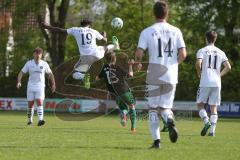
(226, 69)
(53, 29)
(104, 34)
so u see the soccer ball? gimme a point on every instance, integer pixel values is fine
(117, 23)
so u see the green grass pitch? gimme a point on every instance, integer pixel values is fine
(103, 138)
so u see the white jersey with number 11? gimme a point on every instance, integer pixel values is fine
(212, 59)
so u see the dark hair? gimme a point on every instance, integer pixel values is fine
(211, 36)
(110, 57)
(38, 50)
(160, 10)
(85, 21)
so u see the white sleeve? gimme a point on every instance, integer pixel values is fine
(199, 54)
(142, 43)
(47, 69)
(98, 35)
(224, 58)
(72, 31)
(25, 69)
(180, 40)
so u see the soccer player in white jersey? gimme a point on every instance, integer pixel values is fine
(208, 66)
(36, 68)
(88, 49)
(166, 49)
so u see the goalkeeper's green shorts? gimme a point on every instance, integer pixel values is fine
(124, 100)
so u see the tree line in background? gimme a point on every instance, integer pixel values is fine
(193, 17)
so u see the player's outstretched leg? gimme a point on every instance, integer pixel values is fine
(205, 118)
(81, 68)
(133, 117)
(167, 115)
(112, 47)
(154, 128)
(115, 42)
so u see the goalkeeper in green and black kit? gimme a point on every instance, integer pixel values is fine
(115, 78)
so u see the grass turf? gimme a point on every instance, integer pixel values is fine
(103, 138)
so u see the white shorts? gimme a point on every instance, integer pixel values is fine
(210, 95)
(161, 95)
(85, 63)
(35, 94)
(101, 52)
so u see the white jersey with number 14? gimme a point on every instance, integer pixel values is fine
(163, 41)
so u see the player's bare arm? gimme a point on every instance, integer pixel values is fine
(182, 54)
(104, 36)
(226, 69)
(19, 79)
(53, 84)
(130, 63)
(198, 67)
(53, 29)
(138, 58)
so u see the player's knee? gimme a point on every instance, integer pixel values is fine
(77, 75)
(153, 115)
(39, 102)
(200, 105)
(213, 109)
(30, 104)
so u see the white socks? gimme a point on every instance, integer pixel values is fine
(154, 124)
(167, 113)
(40, 113)
(204, 116)
(213, 120)
(78, 75)
(30, 114)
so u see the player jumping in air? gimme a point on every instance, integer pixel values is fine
(115, 78)
(208, 66)
(166, 50)
(36, 68)
(88, 49)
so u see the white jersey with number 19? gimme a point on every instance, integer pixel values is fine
(86, 40)
(212, 59)
(163, 41)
